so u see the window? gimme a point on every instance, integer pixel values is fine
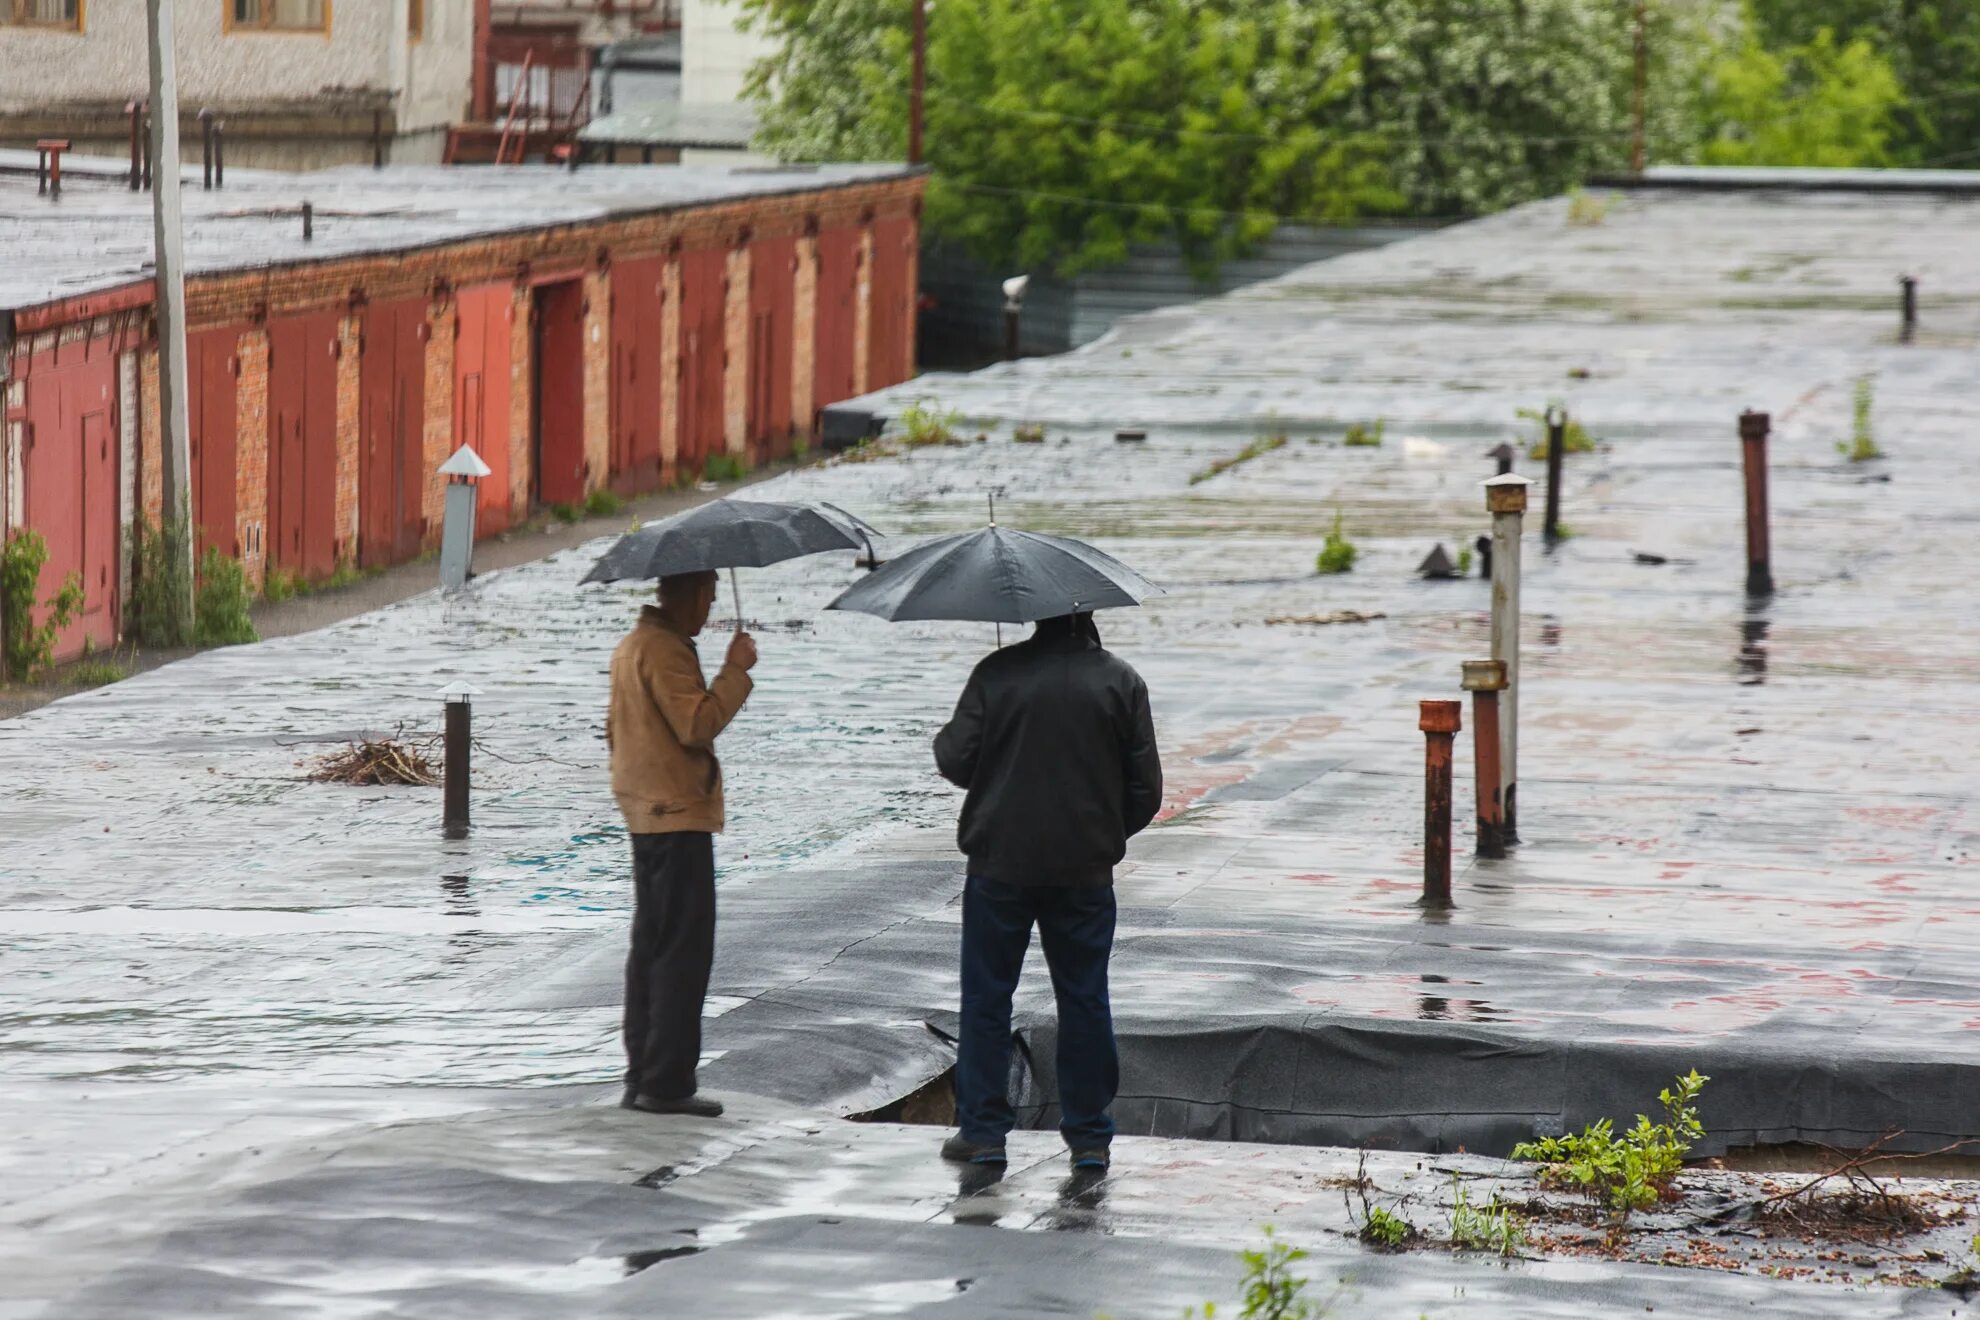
(43, 13)
(416, 19)
(282, 15)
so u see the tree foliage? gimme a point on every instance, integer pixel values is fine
(1063, 132)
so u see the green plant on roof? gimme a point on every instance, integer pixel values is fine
(1574, 438)
(1360, 436)
(603, 503)
(1264, 444)
(1585, 208)
(1495, 1226)
(1630, 1171)
(1862, 444)
(1463, 559)
(923, 424)
(220, 603)
(1029, 433)
(1338, 554)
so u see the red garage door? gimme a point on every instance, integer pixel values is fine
(560, 392)
(772, 294)
(210, 374)
(484, 315)
(704, 290)
(893, 299)
(391, 422)
(302, 444)
(69, 484)
(838, 301)
(637, 295)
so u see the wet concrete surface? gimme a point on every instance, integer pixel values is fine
(1747, 825)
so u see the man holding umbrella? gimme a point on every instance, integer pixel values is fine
(661, 727)
(1054, 743)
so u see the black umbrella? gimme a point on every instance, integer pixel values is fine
(997, 575)
(727, 534)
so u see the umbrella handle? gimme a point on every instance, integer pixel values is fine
(736, 587)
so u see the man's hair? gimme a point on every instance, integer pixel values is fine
(679, 586)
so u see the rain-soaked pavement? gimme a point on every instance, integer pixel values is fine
(272, 1046)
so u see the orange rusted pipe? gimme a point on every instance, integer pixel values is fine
(1484, 679)
(1440, 722)
(1753, 428)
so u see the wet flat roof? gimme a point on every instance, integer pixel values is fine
(98, 235)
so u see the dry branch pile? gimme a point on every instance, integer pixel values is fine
(378, 761)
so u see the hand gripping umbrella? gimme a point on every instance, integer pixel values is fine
(997, 575)
(727, 534)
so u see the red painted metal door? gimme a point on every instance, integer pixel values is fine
(887, 349)
(69, 485)
(210, 409)
(838, 301)
(772, 294)
(704, 294)
(484, 317)
(302, 444)
(560, 393)
(637, 295)
(391, 421)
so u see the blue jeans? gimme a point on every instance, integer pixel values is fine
(1076, 928)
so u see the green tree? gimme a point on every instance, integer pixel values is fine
(1933, 47)
(1823, 103)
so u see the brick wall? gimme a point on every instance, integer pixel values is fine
(151, 442)
(670, 375)
(251, 454)
(804, 338)
(439, 431)
(863, 315)
(522, 378)
(345, 529)
(735, 353)
(597, 379)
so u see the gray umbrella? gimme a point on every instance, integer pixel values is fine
(727, 534)
(997, 575)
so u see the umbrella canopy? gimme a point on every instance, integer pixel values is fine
(997, 575)
(725, 534)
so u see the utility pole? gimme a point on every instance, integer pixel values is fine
(1641, 90)
(170, 304)
(918, 81)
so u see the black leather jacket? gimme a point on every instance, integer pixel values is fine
(1054, 742)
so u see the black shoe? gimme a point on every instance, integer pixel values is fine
(696, 1106)
(1091, 1157)
(964, 1151)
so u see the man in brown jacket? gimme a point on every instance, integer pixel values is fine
(661, 729)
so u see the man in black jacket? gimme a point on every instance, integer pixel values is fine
(1054, 743)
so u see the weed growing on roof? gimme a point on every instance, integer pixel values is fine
(922, 424)
(220, 604)
(279, 584)
(1493, 1227)
(1360, 436)
(155, 615)
(1264, 444)
(1587, 208)
(604, 502)
(1627, 1172)
(566, 513)
(1339, 553)
(1862, 445)
(1272, 1290)
(1463, 559)
(1574, 440)
(97, 673)
(31, 646)
(1029, 433)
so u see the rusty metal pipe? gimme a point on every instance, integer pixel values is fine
(1909, 325)
(206, 149)
(1484, 680)
(1753, 429)
(309, 221)
(219, 153)
(1505, 500)
(1556, 449)
(459, 738)
(1440, 721)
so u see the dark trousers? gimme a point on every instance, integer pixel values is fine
(1076, 928)
(673, 944)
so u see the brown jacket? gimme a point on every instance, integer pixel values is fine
(661, 728)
